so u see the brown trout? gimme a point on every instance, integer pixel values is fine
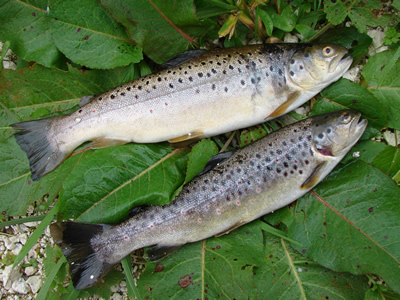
(202, 94)
(234, 189)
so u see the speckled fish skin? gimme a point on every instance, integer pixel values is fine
(216, 92)
(253, 181)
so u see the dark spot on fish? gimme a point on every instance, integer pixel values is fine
(295, 167)
(292, 61)
(266, 74)
(306, 162)
(288, 157)
(329, 130)
(300, 172)
(185, 281)
(216, 181)
(208, 75)
(238, 170)
(242, 82)
(301, 67)
(139, 87)
(321, 135)
(122, 94)
(203, 63)
(268, 159)
(228, 198)
(80, 111)
(190, 67)
(226, 89)
(284, 143)
(218, 63)
(228, 176)
(371, 209)
(204, 188)
(306, 55)
(278, 170)
(180, 80)
(112, 96)
(214, 71)
(258, 155)
(213, 87)
(309, 138)
(252, 163)
(136, 96)
(253, 81)
(158, 268)
(272, 152)
(169, 72)
(285, 174)
(200, 75)
(171, 85)
(197, 91)
(285, 164)
(239, 70)
(249, 53)
(190, 78)
(291, 73)
(128, 88)
(280, 72)
(224, 72)
(279, 152)
(231, 67)
(147, 82)
(271, 68)
(154, 87)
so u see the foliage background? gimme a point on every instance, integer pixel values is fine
(342, 240)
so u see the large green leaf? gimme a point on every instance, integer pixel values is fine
(86, 34)
(102, 189)
(26, 26)
(350, 223)
(382, 74)
(171, 25)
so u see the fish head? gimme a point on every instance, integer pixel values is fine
(335, 133)
(316, 66)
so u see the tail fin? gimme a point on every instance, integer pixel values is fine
(74, 240)
(32, 138)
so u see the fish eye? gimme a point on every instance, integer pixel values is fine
(345, 118)
(327, 51)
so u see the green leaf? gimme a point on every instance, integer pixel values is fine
(172, 26)
(335, 11)
(26, 26)
(132, 289)
(382, 76)
(286, 273)
(346, 226)
(266, 19)
(351, 95)
(199, 156)
(362, 17)
(248, 136)
(286, 21)
(216, 267)
(86, 34)
(101, 189)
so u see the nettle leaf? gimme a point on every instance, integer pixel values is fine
(213, 268)
(32, 93)
(86, 34)
(382, 76)
(335, 11)
(101, 189)
(248, 136)
(172, 26)
(350, 223)
(26, 26)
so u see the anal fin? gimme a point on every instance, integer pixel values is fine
(283, 107)
(187, 139)
(237, 225)
(312, 180)
(158, 252)
(105, 142)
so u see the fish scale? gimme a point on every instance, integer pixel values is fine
(211, 93)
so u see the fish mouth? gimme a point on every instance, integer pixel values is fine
(340, 63)
(356, 130)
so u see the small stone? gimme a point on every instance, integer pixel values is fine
(377, 46)
(35, 283)
(29, 271)
(23, 238)
(9, 275)
(290, 38)
(32, 224)
(116, 296)
(17, 249)
(354, 74)
(20, 286)
(9, 242)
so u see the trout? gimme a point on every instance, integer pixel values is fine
(201, 94)
(234, 189)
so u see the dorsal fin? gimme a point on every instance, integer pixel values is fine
(183, 57)
(137, 210)
(215, 161)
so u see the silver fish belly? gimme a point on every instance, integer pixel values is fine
(215, 92)
(243, 186)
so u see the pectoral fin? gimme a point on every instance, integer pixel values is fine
(105, 142)
(237, 225)
(158, 252)
(215, 161)
(283, 107)
(312, 180)
(191, 136)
